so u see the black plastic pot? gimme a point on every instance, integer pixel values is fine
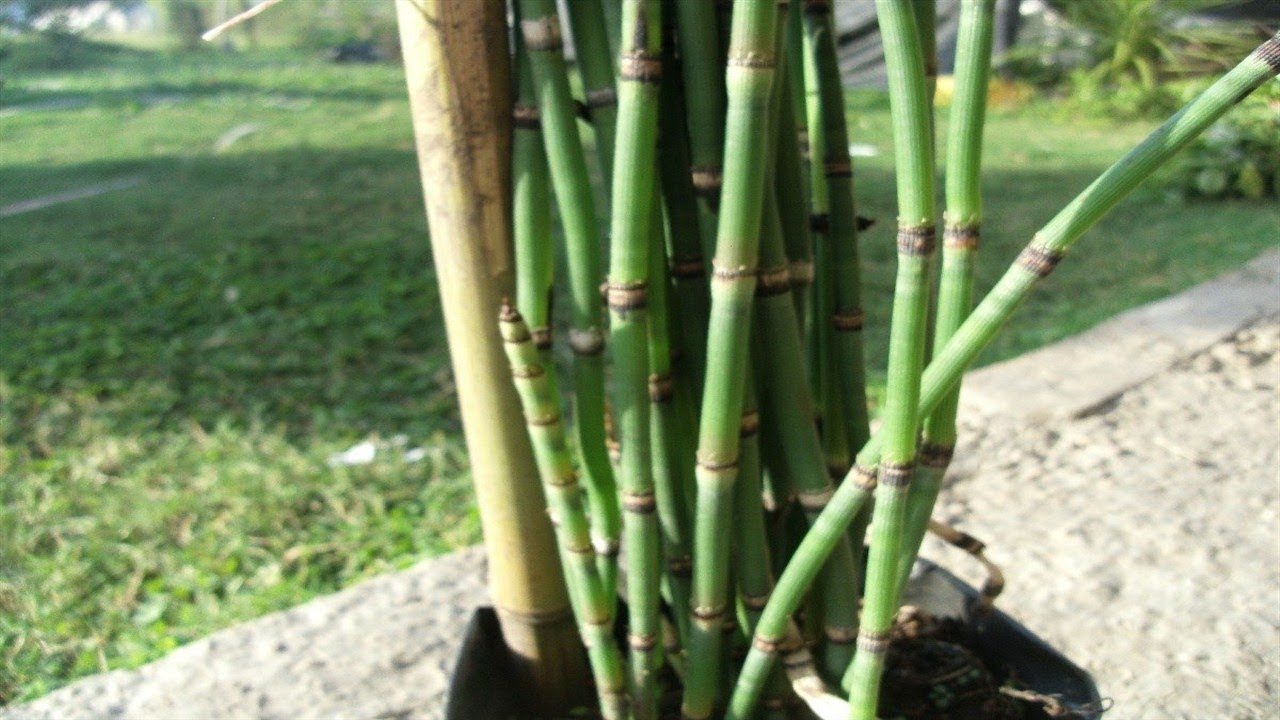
(481, 688)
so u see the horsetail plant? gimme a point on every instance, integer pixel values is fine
(704, 573)
(540, 28)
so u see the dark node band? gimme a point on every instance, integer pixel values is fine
(750, 424)
(624, 297)
(1039, 261)
(661, 388)
(586, 342)
(934, 455)
(765, 645)
(838, 167)
(527, 372)
(567, 481)
(916, 240)
(640, 67)
(820, 223)
(717, 467)
(862, 223)
(542, 34)
(706, 179)
(755, 602)
(606, 548)
(581, 110)
(850, 321)
(601, 97)
(543, 420)
(814, 500)
(680, 566)
(840, 635)
(707, 614)
(960, 237)
(581, 549)
(541, 337)
(896, 475)
(873, 643)
(751, 60)
(641, 642)
(526, 117)
(864, 477)
(774, 281)
(639, 503)
(734, 273)
(801, 273)
(1269, 53)
(690, 268)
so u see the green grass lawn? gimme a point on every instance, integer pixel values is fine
(179, 359)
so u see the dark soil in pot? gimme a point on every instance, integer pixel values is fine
(948, 662)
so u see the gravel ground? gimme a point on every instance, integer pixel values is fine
(1143, 540)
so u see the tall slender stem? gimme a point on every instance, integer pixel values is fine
(702, 68)
(1036, 262)
(541, 30)
(913, 149)
(595, 62)
(749, 79)
(593, 607)
(531, 209)
(959, 254)
(634, 192)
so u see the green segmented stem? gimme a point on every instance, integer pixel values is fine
(959, 255)
(1036, 262)
(779, 354)
(847, 315)
(672, 459)
(540, 28)
(531, 209)
(790, 179)
(592, 604)
(702, 69)
(749, 78)
(595, 62)
(634, 192)
(913, 149)
(687, 246)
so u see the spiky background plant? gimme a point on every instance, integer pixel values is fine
(734, 391)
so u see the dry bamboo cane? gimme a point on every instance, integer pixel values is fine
(541, 30)
(959, 255)
(1036, 262)
(457, 72)
(913, 150)
(634, 193)
(749, 79)
(593, 607)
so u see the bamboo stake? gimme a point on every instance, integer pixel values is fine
(457, 74)
(959, 255)
(634, 192)
(594, 608)
(1036, 262)
(913, 150)
(541, 30)
(748, 79)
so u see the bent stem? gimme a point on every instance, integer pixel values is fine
(1037, 260)
(592, 605)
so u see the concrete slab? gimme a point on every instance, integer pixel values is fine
(382, 649)
(1075, 376)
